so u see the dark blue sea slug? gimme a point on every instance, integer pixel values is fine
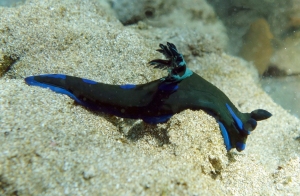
(157, 101)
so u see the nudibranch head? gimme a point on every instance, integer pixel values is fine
(244, 127)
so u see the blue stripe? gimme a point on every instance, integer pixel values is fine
(31, 81)
(235, 118)
(168, 87)
(225, 136)
(158, 119)
(89, 81)
(59, 76)
(128, 86)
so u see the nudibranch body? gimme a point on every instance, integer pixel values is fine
(157, 101)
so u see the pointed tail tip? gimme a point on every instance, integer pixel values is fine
(30, 80)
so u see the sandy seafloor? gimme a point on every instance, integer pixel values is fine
(51, 146)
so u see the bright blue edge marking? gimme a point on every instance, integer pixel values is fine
(158, 119)
(236, 119)
(127, 86)
(240, 146)
(59, 76)
(168, 87)
(31, 81)
(225, 136)
(88, 81)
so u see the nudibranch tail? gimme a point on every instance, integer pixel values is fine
(127, 101)
(55, 82)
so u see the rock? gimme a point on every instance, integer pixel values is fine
(5, 63)
(257, 46)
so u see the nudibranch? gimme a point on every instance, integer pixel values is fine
(157, 101)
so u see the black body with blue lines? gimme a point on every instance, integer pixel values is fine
(156, 101)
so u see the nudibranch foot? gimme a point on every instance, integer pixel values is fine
(157, 119)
